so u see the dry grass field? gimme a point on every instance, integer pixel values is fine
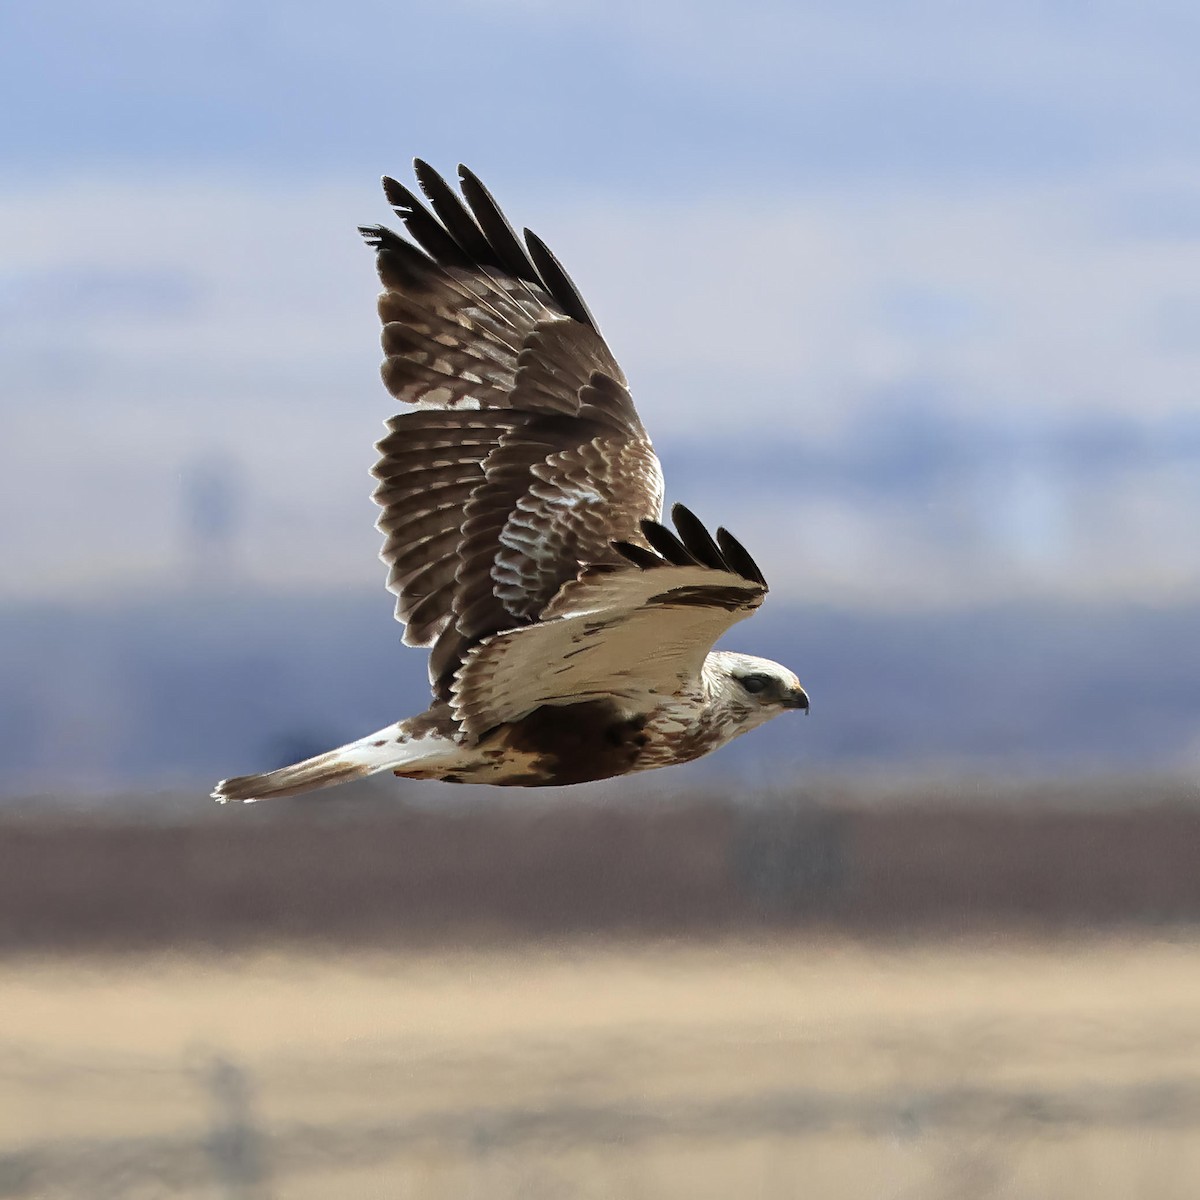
(800, 1066)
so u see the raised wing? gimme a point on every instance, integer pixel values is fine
(632, 632)
(526, 457)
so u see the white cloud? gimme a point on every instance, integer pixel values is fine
(1059, 311)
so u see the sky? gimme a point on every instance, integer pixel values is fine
(907, 293)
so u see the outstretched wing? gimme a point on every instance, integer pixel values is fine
(525, 458)
(632, 632)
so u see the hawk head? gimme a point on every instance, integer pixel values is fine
(746, 691)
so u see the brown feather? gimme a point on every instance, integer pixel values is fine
(527, 458)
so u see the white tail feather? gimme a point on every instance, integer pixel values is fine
(394, 748)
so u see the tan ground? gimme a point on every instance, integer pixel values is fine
(791, 1068)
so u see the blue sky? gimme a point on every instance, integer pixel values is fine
(817, 226)
(672, 96)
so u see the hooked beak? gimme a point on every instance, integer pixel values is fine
(796, 698)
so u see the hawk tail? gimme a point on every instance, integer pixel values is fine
(406, 746)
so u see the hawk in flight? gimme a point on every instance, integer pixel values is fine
(570, 631)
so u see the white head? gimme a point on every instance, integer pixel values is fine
(746, 691)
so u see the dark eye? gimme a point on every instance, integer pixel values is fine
(755, 683)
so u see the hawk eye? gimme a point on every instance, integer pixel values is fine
(755, 683)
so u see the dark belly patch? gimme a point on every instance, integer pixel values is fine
(576, 743)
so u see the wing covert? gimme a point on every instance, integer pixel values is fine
(631, 631)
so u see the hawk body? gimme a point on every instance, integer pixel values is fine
(569, 630)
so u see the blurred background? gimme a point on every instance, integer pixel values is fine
(908, 298)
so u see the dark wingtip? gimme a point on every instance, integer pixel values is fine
(739, 557)
(667, 544)
(638, 555)
(380, 237)
(556, 280)
(497, 231)
(427, 177)
(394, 191)
(697, 539)
(693, 546)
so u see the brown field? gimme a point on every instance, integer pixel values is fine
(311, 875)
(777, 1066)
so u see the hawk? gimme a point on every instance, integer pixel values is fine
(570, 630)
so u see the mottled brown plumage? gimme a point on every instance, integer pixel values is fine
(569, 630)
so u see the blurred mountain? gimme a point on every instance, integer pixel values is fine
(175, 691)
